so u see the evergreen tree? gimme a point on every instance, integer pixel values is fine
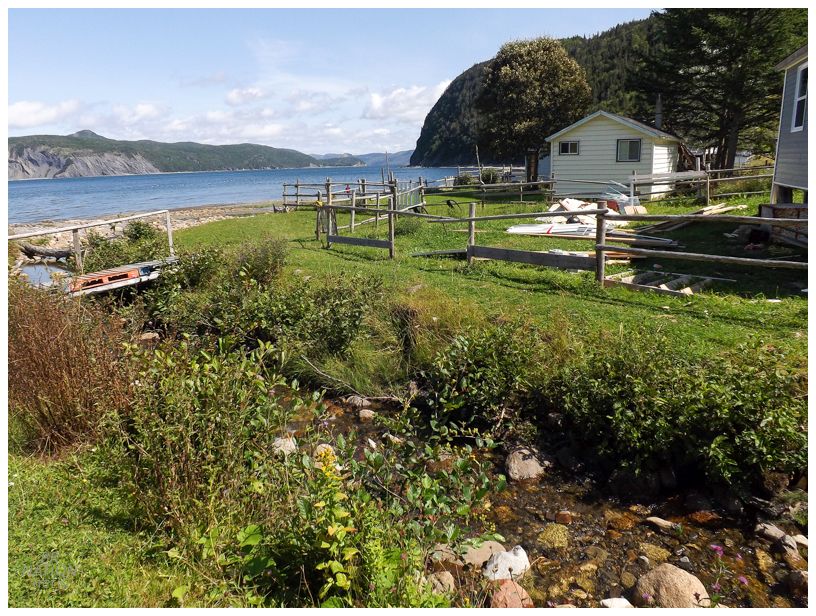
(530, 90)
(715, 71)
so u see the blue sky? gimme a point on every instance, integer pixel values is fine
(316, 80)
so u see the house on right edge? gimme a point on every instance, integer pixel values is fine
(790, 169)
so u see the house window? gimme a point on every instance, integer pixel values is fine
(629, 150)
(568, 147)
(800, 100)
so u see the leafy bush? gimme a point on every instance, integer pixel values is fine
(465, 180)
(262, 261)
(490, 176)
(140, 242)
(735, 415)
(66, 367)
(407, 225)
(475, 378)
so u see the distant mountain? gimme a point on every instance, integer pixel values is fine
(338, 160)
(448, 136)
(395, 159)
(85, 153)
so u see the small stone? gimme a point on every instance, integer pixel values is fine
(588, 567)
(563, 605)
(769, 531)
(366, 415)
(284, 445)
(357, 402)
(685, 564)
(765, 564)
(643, 561)
(628, 579)
(507, 565)
(525, 463)
(321, 450)
(478, 556)
(563, 517)
(620, 521)
(669, 587)
(801, 540)
(616, 603)
(596, 554)
(661, 524)
(578, 593)
(704, 518)
(149, 339)
(554, 536)
(510, 595)
(613, 534)
(443, 558)
(654, 552)
(504, 514)
(442, 582)
(585, 583)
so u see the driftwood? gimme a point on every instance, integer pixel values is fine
(31, 251)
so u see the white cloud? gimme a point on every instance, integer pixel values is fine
(27, 114)
(136, 114)
(404, 104)
(241, 96)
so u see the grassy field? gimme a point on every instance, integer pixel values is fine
(489, 289)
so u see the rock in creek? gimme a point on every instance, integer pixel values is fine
(769, 531)
(510, 594)
(554, 536)
(801, 541)
(654, 552)
(616, 603)
(663, 525)
(507, 565)
(478, 556)
(798, 585)
(526, 463)
(357, 402)
(668, 586)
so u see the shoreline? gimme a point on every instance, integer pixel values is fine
(181, 218)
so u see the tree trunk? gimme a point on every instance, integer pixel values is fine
(31, 251)
(731, 142)
(532, 164)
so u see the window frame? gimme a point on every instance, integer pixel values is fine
(617, 151)
(797, 99)
(577, 148)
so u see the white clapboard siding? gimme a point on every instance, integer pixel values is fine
(664, 161)
(597, 158)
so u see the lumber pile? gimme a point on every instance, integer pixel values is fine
(720, 208)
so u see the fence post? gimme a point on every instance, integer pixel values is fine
(297, 192)
(391, 215)
(632, 181)
(600, 239)
(708, 184)
(318, 210)
(394, 194)
(77, 249)
(471, 231)
(170, 234)
(353, 205)
(377, 213)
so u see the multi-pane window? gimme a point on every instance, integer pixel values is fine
(800, 99)
(568, 147)
(628, 150)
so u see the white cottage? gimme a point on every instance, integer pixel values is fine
(604, 146)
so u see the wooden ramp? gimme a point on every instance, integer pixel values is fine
(664, 283)
(117, 277)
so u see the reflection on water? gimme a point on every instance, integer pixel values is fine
(44, 274)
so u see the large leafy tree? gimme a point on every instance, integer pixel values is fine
(531, 89)
(715, 71)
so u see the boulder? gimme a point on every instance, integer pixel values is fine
(442, 582)
(616, 603)
(510, 594)
(669, 586)
(525, 463)
(801, 540)
(554, 536)
(479, 555)
(507, 565)
(284, 445)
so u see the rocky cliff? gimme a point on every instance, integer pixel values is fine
(44, 162)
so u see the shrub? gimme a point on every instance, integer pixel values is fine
(66, 367)
(490, 176)
(475, 378)
(734, 416)
(140, 242)
(465, 180)
(262, 261)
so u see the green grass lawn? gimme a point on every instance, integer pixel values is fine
(708, 321)
(73, 543)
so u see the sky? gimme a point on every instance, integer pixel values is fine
(315, 80)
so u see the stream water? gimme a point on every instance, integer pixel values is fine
(603, 546)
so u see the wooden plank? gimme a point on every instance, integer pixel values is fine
(638, 287)
(677, 283)
(751, 220)
(532, 258)
(693, 256)
(358, 241)
(442, 253)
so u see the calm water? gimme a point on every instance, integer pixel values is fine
(71, 198)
